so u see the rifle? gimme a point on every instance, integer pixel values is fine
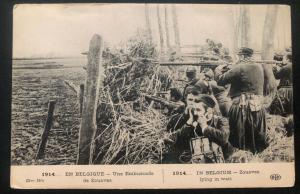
(211, 64)
(163, 101)
(277, 63)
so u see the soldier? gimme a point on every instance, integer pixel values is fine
(191, 74)
(283, 101)
(203, 87)
(198, 119)
(219, 92)
(247, 119)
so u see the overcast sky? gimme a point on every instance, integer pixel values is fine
(65, 29)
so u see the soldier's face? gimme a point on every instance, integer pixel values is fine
(200, 110)
(190, 75)
(190, 100)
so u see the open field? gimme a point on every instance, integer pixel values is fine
(31, 91)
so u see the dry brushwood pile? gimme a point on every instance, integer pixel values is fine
(128, 131)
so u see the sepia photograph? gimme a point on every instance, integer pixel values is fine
(151, 84)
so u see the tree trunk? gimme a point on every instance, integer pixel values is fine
(176, 29)
(235, 27)
(245, 27)
(161, 38)
(148, 26)
(267, 48)
(167, 29)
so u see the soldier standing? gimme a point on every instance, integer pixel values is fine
(247, 119)
(283, 101)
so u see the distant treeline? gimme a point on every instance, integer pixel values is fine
(43, 58)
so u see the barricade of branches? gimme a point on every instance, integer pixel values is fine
(128, 132)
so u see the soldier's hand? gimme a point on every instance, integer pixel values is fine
(191, 118)
(202, 120)
(186, 111)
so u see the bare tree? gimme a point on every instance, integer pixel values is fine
(176, 29)
(267, 48)
(161, 38)
(148, 26)
(167, 28)
(235, 26)
(245, 26)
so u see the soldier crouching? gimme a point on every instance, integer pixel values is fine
(198, 120)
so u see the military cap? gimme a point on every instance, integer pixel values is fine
(278, 56)
(192, 89)
(228, 58)
(191, 69)
(216, 50)
(288, 50)
(208, 73)
(206, 99)
(199, 87)
(245, 51)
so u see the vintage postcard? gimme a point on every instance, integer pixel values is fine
(152, 96)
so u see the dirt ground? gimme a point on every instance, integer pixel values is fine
(31, 91)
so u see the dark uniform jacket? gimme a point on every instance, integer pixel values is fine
(216, 90)
(217, 131)
(210, 87)
(285, 75)
(244, 78)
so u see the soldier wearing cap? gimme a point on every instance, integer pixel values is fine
(278, 57)
(198, 119)
(247, 117)
(283, 101)
(220, 93)
(203, 87)
(191, 74)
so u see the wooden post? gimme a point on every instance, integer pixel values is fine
(81, 93)
(41, 149)
(91, 92)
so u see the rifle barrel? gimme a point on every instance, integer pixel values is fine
(192, 63)
(266, 61)
(163, 101)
